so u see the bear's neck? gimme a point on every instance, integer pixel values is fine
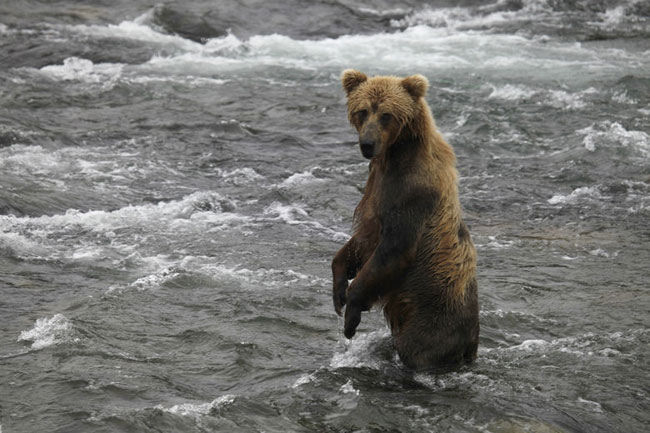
(412, 144)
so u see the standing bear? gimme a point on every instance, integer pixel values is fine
(410, 252)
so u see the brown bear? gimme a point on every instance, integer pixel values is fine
(410, 252)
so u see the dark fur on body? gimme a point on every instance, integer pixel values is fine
(410, 251)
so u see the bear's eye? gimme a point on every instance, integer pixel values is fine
(385, 118)
(361, 115)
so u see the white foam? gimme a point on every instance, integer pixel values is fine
(455, 380)
(48, 331)
(497, 244)
(490, 16)
(240, 176)
(299, 179)
(567, 101)
(520, 315)
(623, 98)
(136, 30)
(88, 252)
(357, 352)
(614, 16)
(599, 252)
(556, 98)
(530, 345)
(303, 380)
(162, 269)
(592, 405)
(511, 92)
(295, 214)
(154, 280)
(75, 163)
(78, 69)
(610, 133)
(200, 212)
(382, 13)
(35, 159)
(20, 245)
(189, 80)
(254, 278)
(163, 214)
(197, 409)
(348, 388)
(584, 345)
(458, 18)
(418, 47)
(585, 192)
(106, 75)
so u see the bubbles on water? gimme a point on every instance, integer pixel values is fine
(619, 344)
(585, 192)
(622, 97)
(511, 92)
(198, 409)
(607, 134)
(84, 70)
(591, 405)
(136, 30)
(108, 233)
(348, 388)
(253, 279)
(349, 399)
(303, 380)
(493, 243)
(364, 350)
(295, 214)
(531, 17)
(240, 176)
(556, 98)
(18, 245)
(455, 380)
(36, 160)
(599, 252)
(152, 281)
(300, 179)
(49, 331)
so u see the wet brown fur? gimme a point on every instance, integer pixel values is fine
(410, 252)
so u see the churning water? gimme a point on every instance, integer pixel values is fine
(175, 180)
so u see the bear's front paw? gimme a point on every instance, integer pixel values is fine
(338, 294)
(355, 305)
(352, 320)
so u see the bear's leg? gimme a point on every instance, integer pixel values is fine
(439, 350)
(345, 266)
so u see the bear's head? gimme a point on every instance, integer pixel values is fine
(380, 107)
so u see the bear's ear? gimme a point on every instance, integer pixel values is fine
(351, 78)
(416, 85)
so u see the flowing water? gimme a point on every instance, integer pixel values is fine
(175, 179)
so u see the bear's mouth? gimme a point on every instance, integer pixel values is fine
(367, 150)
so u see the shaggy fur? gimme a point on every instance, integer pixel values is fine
(410, 252)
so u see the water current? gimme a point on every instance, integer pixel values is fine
(175, 179)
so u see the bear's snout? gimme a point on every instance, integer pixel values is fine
(367, 148)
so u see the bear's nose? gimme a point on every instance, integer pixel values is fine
(367, 148)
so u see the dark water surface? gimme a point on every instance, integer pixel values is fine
(175, 179)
